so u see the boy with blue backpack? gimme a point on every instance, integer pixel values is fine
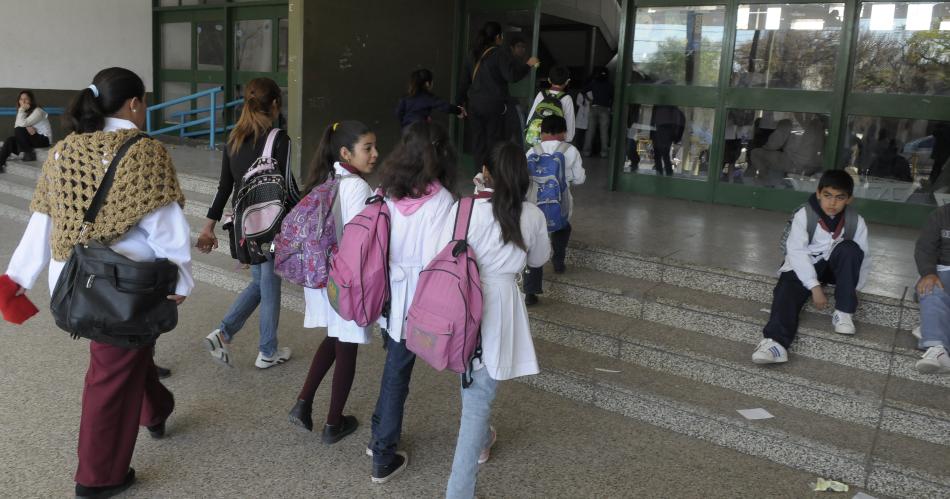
(554, 165)
(553, 101)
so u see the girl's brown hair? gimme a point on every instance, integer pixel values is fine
(260, 94)
(509, 172)
(424, 154)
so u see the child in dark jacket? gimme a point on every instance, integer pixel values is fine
(419, 104)
(933, 262)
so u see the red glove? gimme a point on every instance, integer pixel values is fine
(16, 308)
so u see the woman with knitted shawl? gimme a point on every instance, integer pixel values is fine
(142, 219)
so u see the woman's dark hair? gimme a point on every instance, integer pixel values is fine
(485, 38)
(87, 113)
(509, 172)
(33, 104)
(340, 134)
(424, 154)
(260, 96)
(418, 80)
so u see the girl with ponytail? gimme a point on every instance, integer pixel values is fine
(347, 152)
(506, 233)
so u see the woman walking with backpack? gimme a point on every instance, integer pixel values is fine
(506, 233)
(142, 219)
(416, 178)
(346, 154)
(246, 144)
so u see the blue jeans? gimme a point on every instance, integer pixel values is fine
(264, 289)
(474, 434)
(935, 315)
(393, 391)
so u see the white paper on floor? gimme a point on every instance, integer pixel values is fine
(862, 495)
(757, 413)
(605, 370)
(765, 310)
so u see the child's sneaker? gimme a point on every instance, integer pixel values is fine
(386, 473)
(842, 323)
(486, 452)
(218, 348)
(530, 299)
(935, 361)
(282, 355)
(769, 351)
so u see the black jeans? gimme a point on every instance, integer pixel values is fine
(393, 391)
(534, 275)
(488, 128)
(662, 144)
(21, 142)
(843, 270)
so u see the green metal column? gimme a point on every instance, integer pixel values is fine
(618, 135)
(295, 80)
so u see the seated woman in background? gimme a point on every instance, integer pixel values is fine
(31, 130)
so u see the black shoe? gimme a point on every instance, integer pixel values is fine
(300, 415)
(559, 269)
(163, 372)
(29, 156)
(530, 299)
(83, 492)
(157, 431)
(334, 433)
(383, 474)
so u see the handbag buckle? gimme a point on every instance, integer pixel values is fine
(89, 281)
(82, 233)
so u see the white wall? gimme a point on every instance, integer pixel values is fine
(64, 43)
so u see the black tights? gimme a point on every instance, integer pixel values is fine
(21, 142)
(344, 354)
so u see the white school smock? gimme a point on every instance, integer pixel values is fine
(412, 246)
(507, 348)
(567, 105)
(802, 257)
(573, 171)
(163, 233)
(318, 313)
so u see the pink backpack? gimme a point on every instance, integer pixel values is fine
(445, 317)
(308, 235)
(358, 285)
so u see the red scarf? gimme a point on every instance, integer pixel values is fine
(350, 169)
(486, 194)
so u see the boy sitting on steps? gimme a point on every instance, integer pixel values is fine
(932, 254)
(826, 241)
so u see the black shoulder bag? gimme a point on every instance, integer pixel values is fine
(104, 296)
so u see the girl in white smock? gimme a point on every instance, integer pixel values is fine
(347, 151)
(415, 178)
(506, 234)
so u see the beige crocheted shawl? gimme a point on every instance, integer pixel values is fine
(145, 180)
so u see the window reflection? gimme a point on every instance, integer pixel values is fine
(679, 45)
(787, 46)
(669, 140)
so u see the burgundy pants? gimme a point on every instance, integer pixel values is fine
(121, 393)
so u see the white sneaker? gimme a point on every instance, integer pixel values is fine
(916, 333)
(935, 361)
(842, 323)
(769, 351)
(218, 348)
(486, 452)
(282, 355)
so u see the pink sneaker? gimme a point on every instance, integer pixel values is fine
(486, 452)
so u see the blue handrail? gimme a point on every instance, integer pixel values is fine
(212, 93)
(52, 111)
(181, 117)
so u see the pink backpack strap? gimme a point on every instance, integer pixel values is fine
(269, 146)
(463, 216)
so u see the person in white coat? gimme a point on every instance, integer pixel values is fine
(506, 234)
(347, 151)
(417, 178)
(31, 130)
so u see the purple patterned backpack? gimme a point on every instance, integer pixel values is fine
(307, 236)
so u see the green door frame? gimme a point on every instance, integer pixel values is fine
(838, 104)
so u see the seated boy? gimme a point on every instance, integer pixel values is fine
(554, 166)
(825, 242)
(933, 262)
(551, 102)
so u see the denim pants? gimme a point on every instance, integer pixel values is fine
(264, 289)
(599, 124)
(474, 434)
(935, 315)
(393, 391)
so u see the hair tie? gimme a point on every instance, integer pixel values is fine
(336, 125)
(95, 90)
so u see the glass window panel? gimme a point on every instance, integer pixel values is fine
(202, 2)
(254, 45)
(787, 45)
(897, 159)
(903, 48)
(205, 102)
(282, 44)
(678, 45)
(173, 90)
(670, 140)
(210, 45)
(176, 46)
(774, 148)
(168, 3)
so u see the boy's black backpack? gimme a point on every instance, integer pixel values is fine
(811, 224)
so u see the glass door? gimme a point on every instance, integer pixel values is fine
(260, 48)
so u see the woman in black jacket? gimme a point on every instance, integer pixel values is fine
(483, 88)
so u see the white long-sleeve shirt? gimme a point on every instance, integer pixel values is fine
(567, 104)
(163, 233)
(801, 257)
(37, 119)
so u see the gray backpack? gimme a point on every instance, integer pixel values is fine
(811, 223)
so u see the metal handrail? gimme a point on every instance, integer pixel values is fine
(213, 109)
(52, 111)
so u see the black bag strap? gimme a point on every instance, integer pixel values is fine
(106, 185)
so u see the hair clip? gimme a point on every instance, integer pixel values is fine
(95, 90)
(335, 125)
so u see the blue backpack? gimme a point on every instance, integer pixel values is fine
(547, 174)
